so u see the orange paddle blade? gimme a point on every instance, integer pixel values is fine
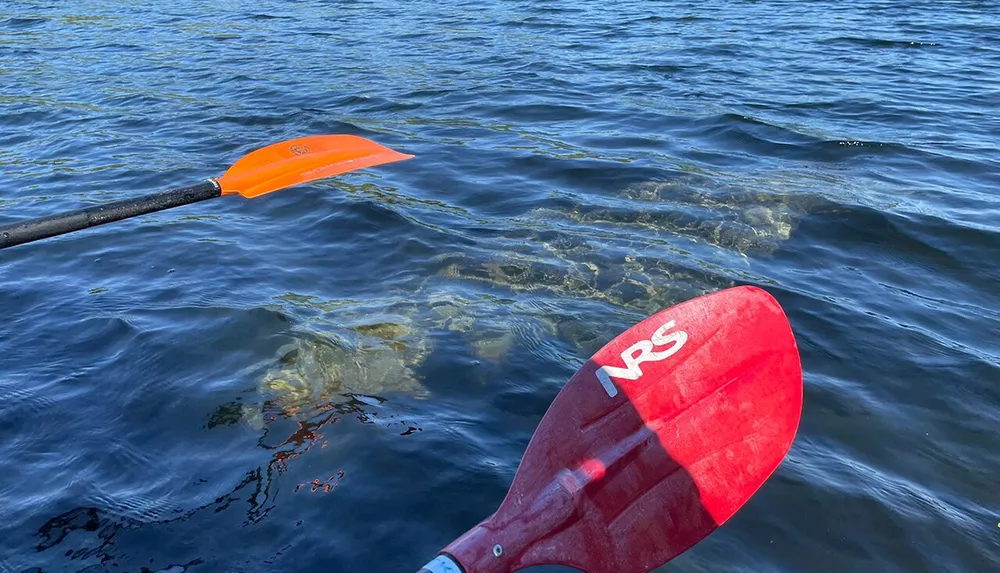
(302, 160)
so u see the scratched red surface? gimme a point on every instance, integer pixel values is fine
(712, 411)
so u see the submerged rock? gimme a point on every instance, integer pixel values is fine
(317, 369)
(728, 215)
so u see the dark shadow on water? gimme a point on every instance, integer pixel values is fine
(90, 533)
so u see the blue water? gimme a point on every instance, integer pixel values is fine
(343, 376)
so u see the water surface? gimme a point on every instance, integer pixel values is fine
(343, 376)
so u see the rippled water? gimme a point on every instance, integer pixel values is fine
(343, 376)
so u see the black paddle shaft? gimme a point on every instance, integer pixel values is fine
(44, 227)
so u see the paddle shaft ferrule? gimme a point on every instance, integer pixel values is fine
(442, 564)
(44, 227)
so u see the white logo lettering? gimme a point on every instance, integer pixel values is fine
(640, 352)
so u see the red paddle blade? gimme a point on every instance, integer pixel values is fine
(658, 440)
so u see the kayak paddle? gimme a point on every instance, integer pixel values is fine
(651, 446)
(268, 169)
